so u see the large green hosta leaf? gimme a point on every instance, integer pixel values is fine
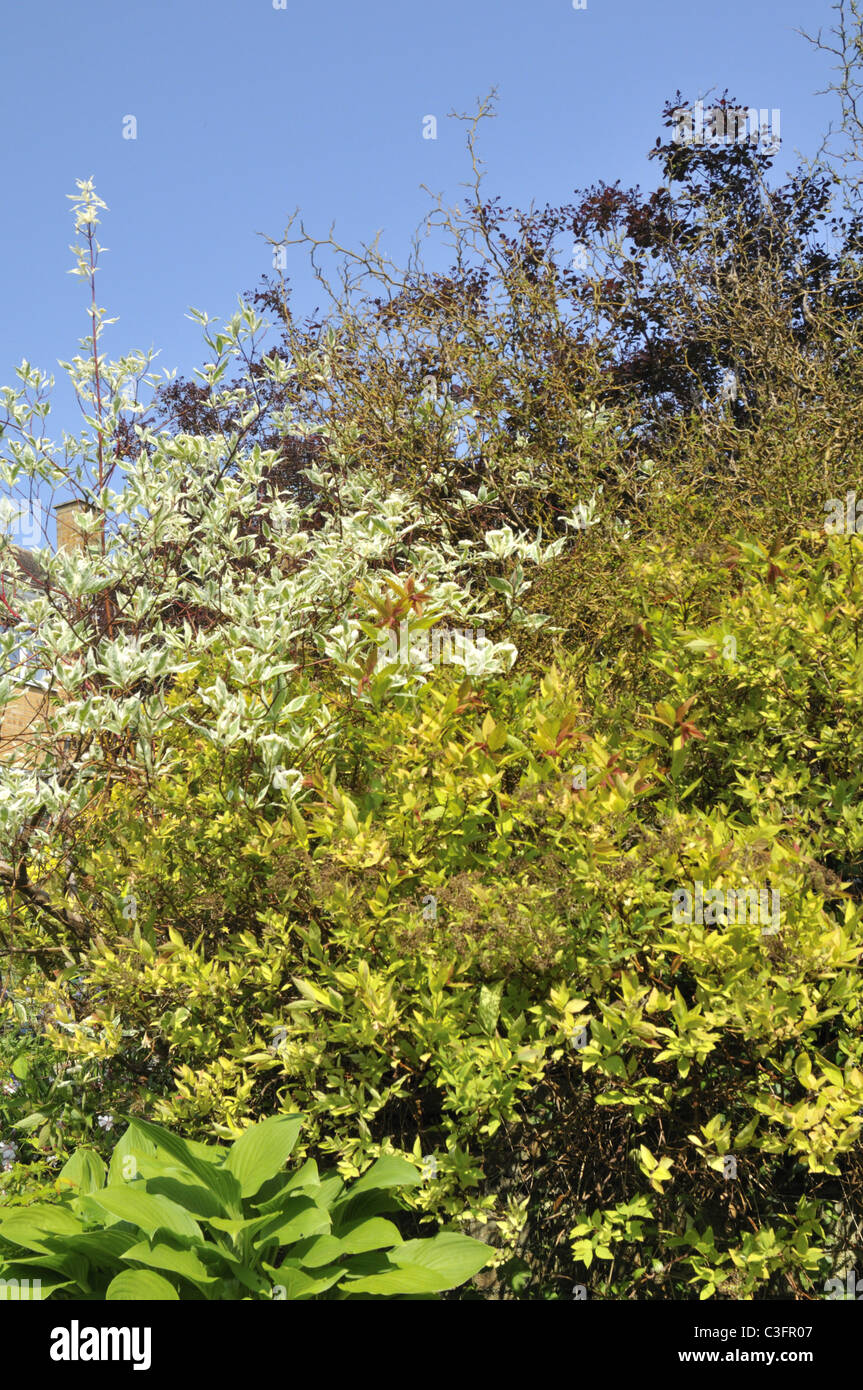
(141, 1286)
(143, 1209)
(425, 1266)
(262, 1151)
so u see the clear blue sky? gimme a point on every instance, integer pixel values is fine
(245, 111)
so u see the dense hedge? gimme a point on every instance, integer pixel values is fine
(570, 922)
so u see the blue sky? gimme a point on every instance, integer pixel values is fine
(245, 112)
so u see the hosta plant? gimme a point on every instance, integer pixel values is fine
(171, 1220)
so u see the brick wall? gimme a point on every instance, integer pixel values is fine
(20, 720)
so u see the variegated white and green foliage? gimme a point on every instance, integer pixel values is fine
(168, 539)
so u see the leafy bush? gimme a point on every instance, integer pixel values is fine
(50, 1101)
(347, 966)
(434, 908)
(551, 957)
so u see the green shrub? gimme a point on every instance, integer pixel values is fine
(433, 910)
(323, 987)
